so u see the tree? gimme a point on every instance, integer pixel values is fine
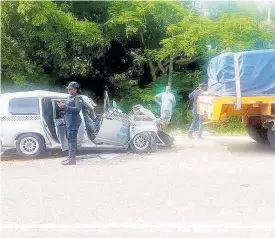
(42, 35)
(146, 22)
(94, 11)
(235, 32)
(188, 39)
(197, 37)
(15, 63)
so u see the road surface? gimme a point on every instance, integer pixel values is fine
(216, 187)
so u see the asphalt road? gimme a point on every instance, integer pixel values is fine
(218, 187)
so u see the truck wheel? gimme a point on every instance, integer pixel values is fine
(141, 143)
(257, 133)
(271, 138)
(29, 145)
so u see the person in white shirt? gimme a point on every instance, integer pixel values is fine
(167, 101)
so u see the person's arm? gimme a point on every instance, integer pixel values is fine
(156, 99)
(173, 100)
(76, 109)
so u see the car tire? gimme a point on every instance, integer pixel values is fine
(258, 133)
(141, 143)
(29, 145)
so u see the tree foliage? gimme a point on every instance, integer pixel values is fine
(145, 21)
(197, 37)
(39, 35)
(237, 32)
(47, 39)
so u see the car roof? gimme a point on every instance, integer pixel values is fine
(34, 93)
(5, 97)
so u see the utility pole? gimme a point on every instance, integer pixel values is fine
(170, 69)
(269, 14)
(269, 3)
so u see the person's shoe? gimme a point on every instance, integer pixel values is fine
(190, 136)
(200, 138)
(68, 158)
(69, 162)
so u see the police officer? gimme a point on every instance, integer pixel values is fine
(71, 109)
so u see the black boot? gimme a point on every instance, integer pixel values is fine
(72, 142)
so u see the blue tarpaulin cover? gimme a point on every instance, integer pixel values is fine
(256, 70)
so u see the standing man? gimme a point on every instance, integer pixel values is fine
(197, 119)
(72, 108)
(167, 101)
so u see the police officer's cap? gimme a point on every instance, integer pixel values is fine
(73, 85)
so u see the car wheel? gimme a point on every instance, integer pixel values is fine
(29, 145)
(141, 143)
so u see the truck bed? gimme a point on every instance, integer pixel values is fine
(218, 108)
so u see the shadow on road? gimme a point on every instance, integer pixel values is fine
(11, 154)
(235, 145)
(245, 146)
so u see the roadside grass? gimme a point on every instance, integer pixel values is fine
(231, 127)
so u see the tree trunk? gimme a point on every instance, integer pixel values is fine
(152, 69)
(151, 64)
(170, 71)
(162, 69)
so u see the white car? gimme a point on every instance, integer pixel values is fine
(31, 122)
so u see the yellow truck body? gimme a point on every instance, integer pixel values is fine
(219, 108)
(257, 113)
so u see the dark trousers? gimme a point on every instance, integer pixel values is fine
(196, 124)
(72, 141)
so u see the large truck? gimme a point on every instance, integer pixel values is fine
(242, 85)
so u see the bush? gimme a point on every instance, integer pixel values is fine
(182, 85)
(233, 126)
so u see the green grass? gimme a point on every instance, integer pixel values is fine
(231, 127)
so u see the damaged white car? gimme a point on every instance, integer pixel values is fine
(31, 122)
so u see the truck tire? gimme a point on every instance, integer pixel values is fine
(257, 133)
(141, 143)
(271, 138)
(29, 145)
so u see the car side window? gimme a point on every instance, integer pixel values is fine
(24, 106)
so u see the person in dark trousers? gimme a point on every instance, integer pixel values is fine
(197, 119)
(71, 109)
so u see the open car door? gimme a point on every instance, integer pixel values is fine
(113, 129)
(60, 127)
